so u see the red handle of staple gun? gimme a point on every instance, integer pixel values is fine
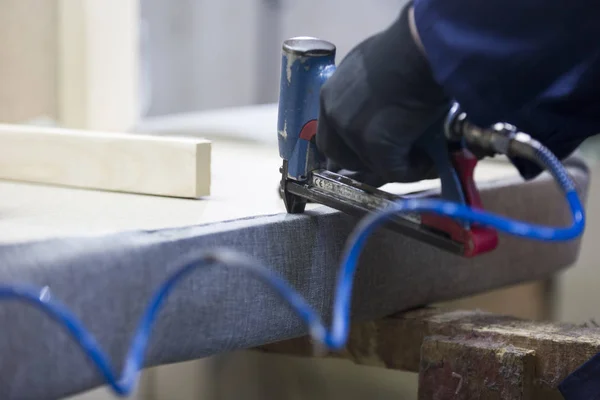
(476, 239)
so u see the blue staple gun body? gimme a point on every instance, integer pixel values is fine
(305, 65)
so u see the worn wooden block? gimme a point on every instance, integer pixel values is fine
(134, 163)
(474, 368)
(559, 348)
(556, 350)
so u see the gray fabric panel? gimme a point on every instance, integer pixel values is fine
(108, 280)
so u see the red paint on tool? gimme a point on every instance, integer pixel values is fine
(309, 130)
(478, 239)
(465, 162)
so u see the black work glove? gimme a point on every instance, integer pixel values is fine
(378, 103)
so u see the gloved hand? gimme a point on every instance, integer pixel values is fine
(378, 103)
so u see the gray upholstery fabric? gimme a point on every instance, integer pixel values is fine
(108, 280)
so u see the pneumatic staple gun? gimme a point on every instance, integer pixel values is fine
(306, 64)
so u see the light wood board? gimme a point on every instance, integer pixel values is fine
(98, 64)
(134, 163)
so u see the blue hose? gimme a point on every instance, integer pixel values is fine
(334, 339)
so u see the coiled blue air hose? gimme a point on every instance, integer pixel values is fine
(335, 339)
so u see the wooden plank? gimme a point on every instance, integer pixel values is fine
(98, 64)
(165, 166)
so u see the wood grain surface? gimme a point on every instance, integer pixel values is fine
(134, 163)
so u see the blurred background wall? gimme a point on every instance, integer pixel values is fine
(162, 58)
(28, 66)
(206, 54)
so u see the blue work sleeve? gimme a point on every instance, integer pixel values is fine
(532, 63)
